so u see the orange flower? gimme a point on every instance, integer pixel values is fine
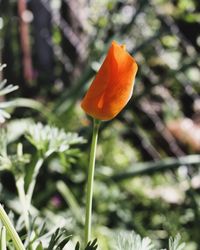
(113, 85)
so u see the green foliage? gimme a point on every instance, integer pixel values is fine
(129, 241)
(4, 90)
(15, 162)
(58, 240)
(48, 139)
(3, 238)
(175, 244)
(92, 245)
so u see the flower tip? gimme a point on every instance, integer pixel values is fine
(123, 46)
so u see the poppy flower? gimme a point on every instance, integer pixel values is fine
(112, 86)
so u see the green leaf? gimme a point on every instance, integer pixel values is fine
(63, 242)
(77, 247)
(4, 90)
(3, 238)
(175, 244)
(59, 239)
(48, 139)
(130, 241)
(39, 247)
(92, 245)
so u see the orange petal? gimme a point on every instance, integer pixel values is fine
(113, 85)
(123, 46)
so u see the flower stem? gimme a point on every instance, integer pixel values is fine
(3, 238)
(22, 198)
(10, 229)
(31, 187)
(88, 214)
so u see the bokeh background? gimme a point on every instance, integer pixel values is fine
(147, 175)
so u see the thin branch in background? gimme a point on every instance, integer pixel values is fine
(24, 16)
(149, 168)
(161, 128)
(144, 140)
(66, 29)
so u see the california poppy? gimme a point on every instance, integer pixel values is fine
(112, 87)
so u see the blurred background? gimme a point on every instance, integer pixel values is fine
(147, 175)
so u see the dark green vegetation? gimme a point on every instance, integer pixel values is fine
(147, 175)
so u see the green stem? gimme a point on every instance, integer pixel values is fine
(23, 201)
(3, 238)
(33, 181)
(10, 229)
(88, 214)
(70, 199)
